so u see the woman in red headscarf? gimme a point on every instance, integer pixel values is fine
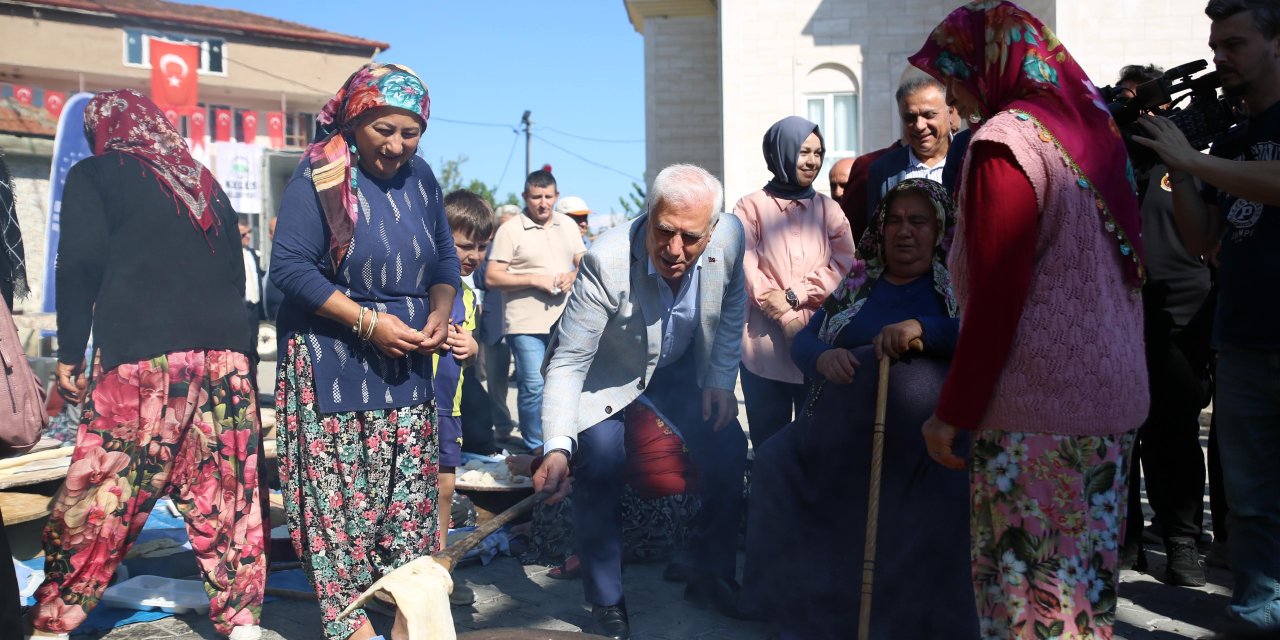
(1049, 367)
(149, 257)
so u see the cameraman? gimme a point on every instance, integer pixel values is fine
(1168, 444)
(1239, 206)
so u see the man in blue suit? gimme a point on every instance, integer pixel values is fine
(655, 316)
(934, 145)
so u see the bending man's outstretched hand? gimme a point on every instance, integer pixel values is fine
(552, 477)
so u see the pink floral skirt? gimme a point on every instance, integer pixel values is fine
(185, 425)
(1047, 516)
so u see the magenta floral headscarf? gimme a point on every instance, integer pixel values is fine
(846, 301)
(129, 122)
(1012, 62)
(333, 156)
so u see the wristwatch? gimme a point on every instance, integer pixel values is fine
(792, 299)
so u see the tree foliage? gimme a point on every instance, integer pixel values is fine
(633, 202)
(450, 177)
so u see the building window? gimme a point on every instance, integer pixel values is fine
(137, 49)
(837, 115)
(299, 128)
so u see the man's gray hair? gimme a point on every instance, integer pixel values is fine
(915, 83)
(506, 211)
(686, 185)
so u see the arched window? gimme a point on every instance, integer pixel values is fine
(830, 94)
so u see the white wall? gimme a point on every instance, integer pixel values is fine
(682, 93)
(1105, 35)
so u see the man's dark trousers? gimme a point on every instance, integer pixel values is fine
(720, 457)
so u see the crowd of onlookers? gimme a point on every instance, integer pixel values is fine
(1051, 321)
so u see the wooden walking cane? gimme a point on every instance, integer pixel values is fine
(873, 499)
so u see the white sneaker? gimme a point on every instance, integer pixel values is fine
(247, 632)
(36, 634)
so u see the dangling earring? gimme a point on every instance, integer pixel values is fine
(975, 118)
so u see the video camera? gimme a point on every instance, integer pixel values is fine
(1204, 118)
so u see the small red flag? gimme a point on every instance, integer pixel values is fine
(196, 126)
(23, 94)
(174, 70)
(222, 125)
(249, 126)
(171, 114)
(275, 128)
(54, 101)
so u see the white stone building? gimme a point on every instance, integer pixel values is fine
(719, 72)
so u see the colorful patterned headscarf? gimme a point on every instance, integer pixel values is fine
(1011, 61)
(333, 156)
(846, 301)
(129, 122)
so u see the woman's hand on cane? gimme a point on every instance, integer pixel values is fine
(940, 438)
(895, 339)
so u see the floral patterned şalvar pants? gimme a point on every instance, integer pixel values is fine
(184, 425)
(1047, 514)
(360, 489)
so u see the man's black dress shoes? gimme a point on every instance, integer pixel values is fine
(610, 622)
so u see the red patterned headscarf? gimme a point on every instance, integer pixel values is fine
(129, 122)
(1011, 61)
(333, 155)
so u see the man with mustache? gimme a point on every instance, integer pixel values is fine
(1239, 207)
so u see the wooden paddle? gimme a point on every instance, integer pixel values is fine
(873, 499)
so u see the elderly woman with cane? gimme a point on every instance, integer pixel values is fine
(1049, 370)
(809, 497)
(365, 258)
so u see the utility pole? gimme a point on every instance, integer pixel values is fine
(528, 140)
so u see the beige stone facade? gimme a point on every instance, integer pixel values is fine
(765, 59)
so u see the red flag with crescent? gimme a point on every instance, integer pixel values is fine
(222, 125)
(54, 101)
(171, 114)
(23, 94)
(196, 126)
(275, 128)
(249, 126)
(174, 70)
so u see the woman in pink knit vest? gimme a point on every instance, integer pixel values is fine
(1049, 366)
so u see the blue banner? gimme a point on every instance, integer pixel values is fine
(69, 147)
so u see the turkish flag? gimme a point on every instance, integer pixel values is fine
(23, 94)
(275, 128)
(248, 126)
(196, 126)
(54, 101)
(174, 68)
(171, 114)
(222, 125)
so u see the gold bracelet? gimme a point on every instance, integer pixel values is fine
(373, 324)
(359, 325)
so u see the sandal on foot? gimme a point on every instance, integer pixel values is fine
(570, 569)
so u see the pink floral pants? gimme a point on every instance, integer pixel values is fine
(184, 425)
